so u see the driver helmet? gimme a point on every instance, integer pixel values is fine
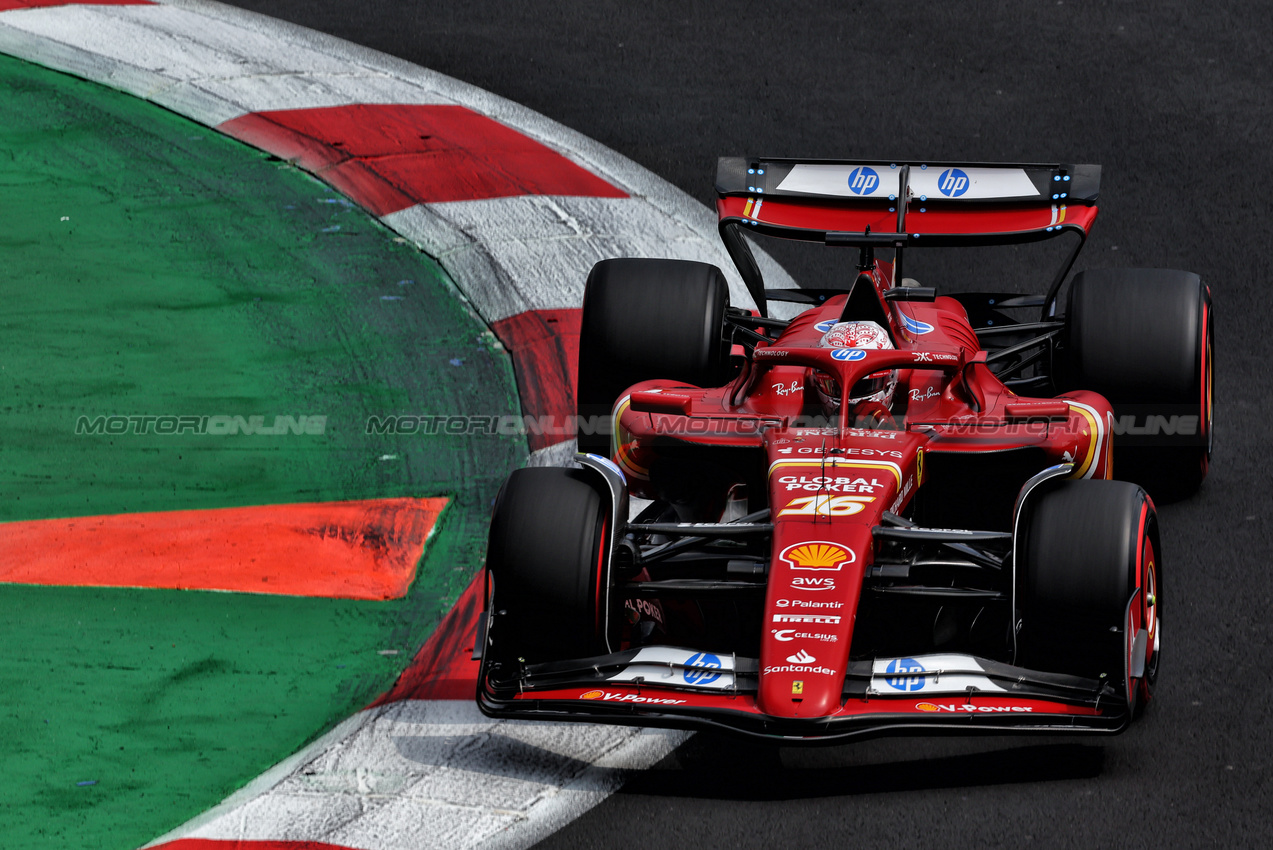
(877, 387)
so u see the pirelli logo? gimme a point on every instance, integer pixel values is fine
(831, 619)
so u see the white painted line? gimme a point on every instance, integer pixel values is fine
(558, 454)
(534, 252)
(435, 774)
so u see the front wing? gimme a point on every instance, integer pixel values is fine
(678, 688)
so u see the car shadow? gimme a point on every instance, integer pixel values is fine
(721, 768)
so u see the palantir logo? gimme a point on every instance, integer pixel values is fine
(952, 183)
(863, 180)
(900, 674)
(702, 668)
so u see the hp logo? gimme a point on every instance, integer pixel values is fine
(952, 183)
(901, 674)
(848, 354)
(702, 668)
(863, 180)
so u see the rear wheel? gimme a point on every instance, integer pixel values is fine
(1091, 545)
(1143, 339)
(545, 559)
(645, 319)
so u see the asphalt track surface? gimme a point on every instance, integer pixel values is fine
(1171, 98)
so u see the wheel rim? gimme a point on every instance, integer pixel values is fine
(1150, 619)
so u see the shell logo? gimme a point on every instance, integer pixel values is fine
(592, 695)
(926, 706)
(817, 555)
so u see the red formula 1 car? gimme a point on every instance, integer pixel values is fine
(895, 512)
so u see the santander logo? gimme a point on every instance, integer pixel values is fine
(801, 657)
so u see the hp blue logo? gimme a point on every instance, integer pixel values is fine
(848, 354)
(952, 183)
(702, 668)
(901, 674)
(863, 180)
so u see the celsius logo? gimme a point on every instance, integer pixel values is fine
(823, 327)
(915, 326)
(801, 657)
(952, 183)
(703, 668)
(792, 634)
(848, 354)
(863, 180)
(900, 674)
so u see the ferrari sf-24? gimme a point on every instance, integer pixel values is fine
(897, 511)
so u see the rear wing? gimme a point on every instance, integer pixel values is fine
(870, 204)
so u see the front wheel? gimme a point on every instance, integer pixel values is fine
(545, 560)
(1090, 585)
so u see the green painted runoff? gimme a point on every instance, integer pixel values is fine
(152, 267)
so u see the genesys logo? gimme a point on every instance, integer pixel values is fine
(796, 634)
(813, 583)
(610, 696)
(807, 603)
(964, 709)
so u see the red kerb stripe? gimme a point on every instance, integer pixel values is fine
(6, 5)
(545, 349)
(444, 667)
(244, 844)
(388, 157)
(343, 550)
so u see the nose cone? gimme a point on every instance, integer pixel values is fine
(809, 613)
